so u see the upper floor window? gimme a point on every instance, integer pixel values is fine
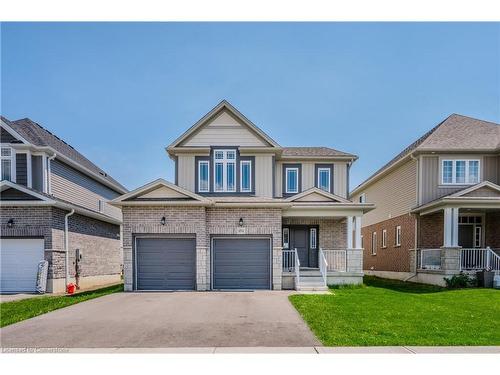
(292, 180)
(362, 198)
(225, 170)
(460, 172)
(203, 176)
(6, 164)
(245, 175)
(324, 179)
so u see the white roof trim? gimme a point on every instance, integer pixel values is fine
(223, 104)
(475, 187)
(13, 132)
(4, 185)
(318, 191)
(156, 184)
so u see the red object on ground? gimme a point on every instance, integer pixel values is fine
(71, 288)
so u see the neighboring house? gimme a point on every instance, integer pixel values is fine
(45, 185)
(241, 213)
(437, 204)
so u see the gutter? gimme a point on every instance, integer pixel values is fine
(49, 190)
(66, 247)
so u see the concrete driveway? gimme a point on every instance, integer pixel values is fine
(180, 319)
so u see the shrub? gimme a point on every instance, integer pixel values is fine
(462, 280)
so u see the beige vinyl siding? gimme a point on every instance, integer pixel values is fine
(75, 187)
(309, 175)
(394, 194)
(431, 175)
(263, 176)
(340, 179)
(186, 171)
(224, 130)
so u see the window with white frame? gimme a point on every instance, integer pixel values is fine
(313, 238)
(203, 176)
(101, 205)
(362, 198)
(397, 238)
(292, 180)
(384, 238)
(286, 238)
(324, 179)
(374, 243)
(245, 175)
(459, 172)
(6, 164)
(225, 170)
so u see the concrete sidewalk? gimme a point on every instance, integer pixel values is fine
(273, 350)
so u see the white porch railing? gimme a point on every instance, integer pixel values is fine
(288, 260)
(479, 259)
(323, 265)
(297, 268)
(429, 259)
(336, 259)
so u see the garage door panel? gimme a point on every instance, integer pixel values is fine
(241, 263)
(19, 263)
(166, 263)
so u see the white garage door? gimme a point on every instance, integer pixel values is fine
(19, 264)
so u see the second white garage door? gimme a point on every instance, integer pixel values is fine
(19, 258)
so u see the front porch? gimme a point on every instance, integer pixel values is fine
(321, 251)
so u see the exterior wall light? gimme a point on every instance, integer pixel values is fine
(241, 222)
(163, 220)
(10, 223)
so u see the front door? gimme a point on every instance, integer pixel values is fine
(299, 241)
(466, 236)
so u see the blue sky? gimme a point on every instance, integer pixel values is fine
(121, 92)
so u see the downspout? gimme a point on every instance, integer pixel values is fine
(66, 248)
(49, 178)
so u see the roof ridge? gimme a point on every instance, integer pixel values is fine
(475, 119)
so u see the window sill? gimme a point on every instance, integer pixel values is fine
(384, 247)
(444, 186)
(397, 246)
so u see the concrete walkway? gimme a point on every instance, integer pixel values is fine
(275, 350)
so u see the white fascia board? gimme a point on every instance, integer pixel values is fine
(13, 132)
(160, 203)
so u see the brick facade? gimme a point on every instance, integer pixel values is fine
(430, 231)
(492, 230)
(391, 258)
(332, 231)
(98, 241)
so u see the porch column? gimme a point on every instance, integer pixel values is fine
(450, 227)
(357, 232)
(349, 232)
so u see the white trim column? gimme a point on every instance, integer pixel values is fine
(349, 232)
(450, 227)
(357, 232)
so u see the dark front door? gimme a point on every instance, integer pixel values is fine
(466, 236)
(299, 241)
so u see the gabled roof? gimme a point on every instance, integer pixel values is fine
(482, 186)
(160, 192)
(30, 197)
(314, 152)
(223, 105)
(455, 133)
(316, 195)
(37, 135)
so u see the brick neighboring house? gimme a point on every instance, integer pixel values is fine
(242, 213)
(45, 185)
(437, 205)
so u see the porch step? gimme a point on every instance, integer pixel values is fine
(311, 280)
(309, 288)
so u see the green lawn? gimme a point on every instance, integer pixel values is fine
(387, 312)
(15, 311)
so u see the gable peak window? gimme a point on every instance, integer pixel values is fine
(292, 180)
(324, 179)
(224, 170)
(460, 171)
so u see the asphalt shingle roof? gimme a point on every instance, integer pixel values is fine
(313, 151)
(39, 136)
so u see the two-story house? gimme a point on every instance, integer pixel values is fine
(54, 206)
(437, 204)
(243, 213)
